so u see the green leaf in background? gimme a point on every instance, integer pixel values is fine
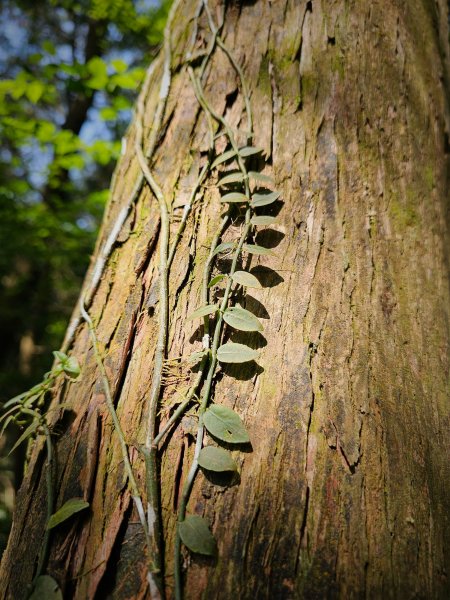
(241, 319)
(34, 91)
(236, 353)
(119, 65)
(196, 535)
(216, 459)
(69, 508)
(108, 113)
(99, 73)
(225, 424)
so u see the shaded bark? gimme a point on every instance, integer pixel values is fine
(345, 493)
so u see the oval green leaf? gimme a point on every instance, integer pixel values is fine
(246, 279)
(236, 177)
(255, 249)
(202, 312)
(223, 158)
(226, 425)
(261, 177)
(71, 367)
(249, 151)
(234, 197)
(236, 353)
(241, 319)
(68, 509)
(225, 246)
(262, 220)
(215, 280)
(264, 199)
(46, 588)
(216, 459)
(196, 535)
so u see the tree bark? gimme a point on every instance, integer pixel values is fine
(345, 493)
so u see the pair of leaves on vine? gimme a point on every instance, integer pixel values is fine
(238, 318)
(225, 425)
(235, 316)
(238, 177)
(256, 201)
(244, 152)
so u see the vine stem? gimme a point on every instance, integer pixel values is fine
(43, 555)
(192, 390)
(218, 329)
(117, 426)
(204, 403)
(216, 31)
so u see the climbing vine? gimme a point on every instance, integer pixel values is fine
(245, 194)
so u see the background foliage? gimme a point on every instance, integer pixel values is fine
(69, 74)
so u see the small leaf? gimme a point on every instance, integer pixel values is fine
(225, 246)
(60, 356)
(71, 367)
(231, 178)
(225, 424)
(202, 312)
(264, 199)
(34, 91)
(234, 197)
(246, 279)
(16, 399)
(223, 158)
(216, 459)
(215, 280)
(241, 319)
(261, 177)
(236, 353)
(46, 588)
(262, 220)
(249, 151)
(5, 424)
(255, 249)
(25, 435)
(68, 509)
(196, 535)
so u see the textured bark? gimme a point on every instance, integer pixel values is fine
(345, 493)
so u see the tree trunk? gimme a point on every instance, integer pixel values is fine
(345, 492)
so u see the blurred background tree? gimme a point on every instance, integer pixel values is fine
(70, 72)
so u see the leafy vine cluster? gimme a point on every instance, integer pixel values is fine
(244, 194)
